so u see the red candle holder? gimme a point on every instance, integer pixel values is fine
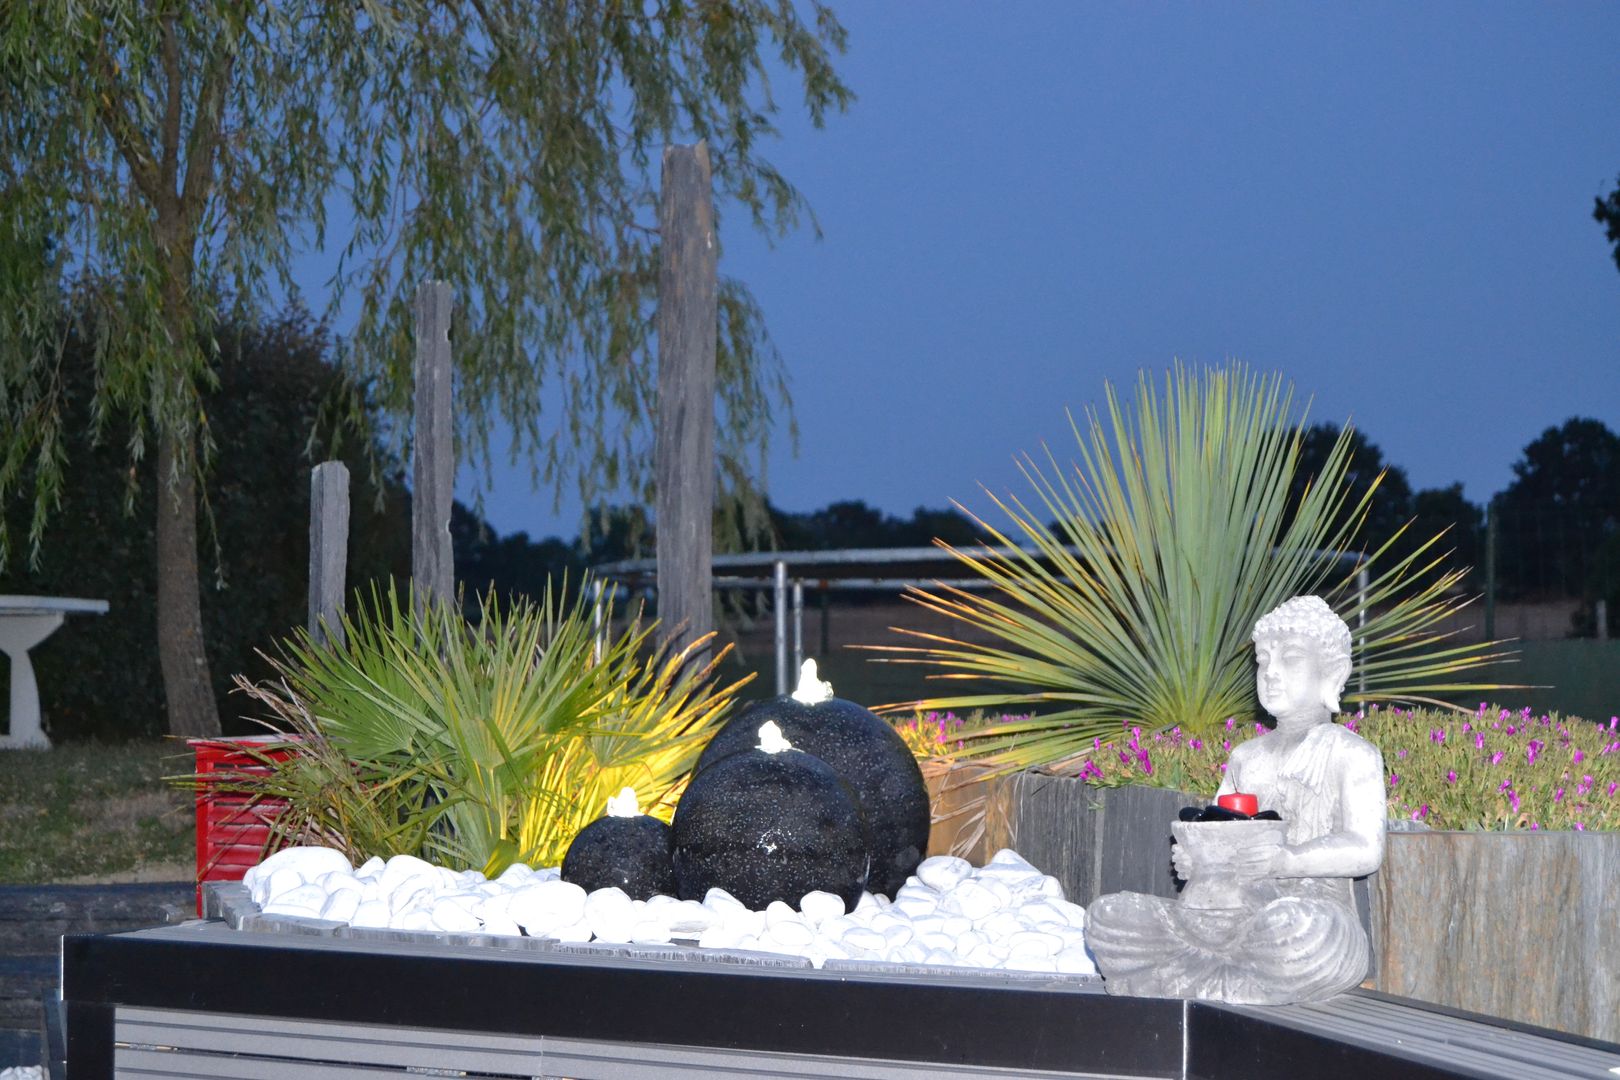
(1239, 802)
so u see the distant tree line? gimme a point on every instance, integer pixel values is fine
(271, 410)
(1557, 524)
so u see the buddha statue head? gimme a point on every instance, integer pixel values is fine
(1302, 660)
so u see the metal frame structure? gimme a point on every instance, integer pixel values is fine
(788, 592)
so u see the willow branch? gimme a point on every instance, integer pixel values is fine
(126, 137)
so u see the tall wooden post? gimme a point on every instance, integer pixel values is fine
(328, 549)
(687, 326)
(432, 563)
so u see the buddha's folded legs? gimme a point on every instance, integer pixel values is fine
(1291, 949)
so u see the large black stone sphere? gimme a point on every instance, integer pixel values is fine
(769, 827)
(632, 853)
(867, 753)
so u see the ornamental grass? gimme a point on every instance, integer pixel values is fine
(1494, 769)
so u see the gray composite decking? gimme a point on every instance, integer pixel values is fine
(203, 1000)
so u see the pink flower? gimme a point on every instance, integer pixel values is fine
(1579, 757)
(1479, 740)
(1394, 778)
(1578, 827)
(1400, 754)
(1231, 722)
(1421, 812)
(1513, 798)
(1559, 795)
(1451, 776)
(1507, 785)
(1467, 726)
(1195, 744)
(1438, 736)
(1496, 758)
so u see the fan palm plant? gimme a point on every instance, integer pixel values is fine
(477, 745)
(1168, 539)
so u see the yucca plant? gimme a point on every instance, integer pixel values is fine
(478, 744)
(1168, 539)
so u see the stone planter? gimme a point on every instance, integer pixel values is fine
(1515, 924)
(1518, 925)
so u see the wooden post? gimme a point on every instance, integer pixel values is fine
(432, 562)
(687, 326)
(328, 549)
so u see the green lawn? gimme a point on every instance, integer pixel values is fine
(93, 810)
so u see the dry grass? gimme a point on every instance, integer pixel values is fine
(94, 811)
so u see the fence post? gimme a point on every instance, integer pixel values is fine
(1490, 571)
(687, 325)
(780, 612)
(432, 561)
(798, 626)
(328, 549)
(1363, 582)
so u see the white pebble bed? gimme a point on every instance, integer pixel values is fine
(23, 1072)
(1005, 914)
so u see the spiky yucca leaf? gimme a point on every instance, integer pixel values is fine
(1169, 538)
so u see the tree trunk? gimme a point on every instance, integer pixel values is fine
(187, 687)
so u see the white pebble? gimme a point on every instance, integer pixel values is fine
(542, 906)
(341, 905)
(794, 934)
(819, 906)
(720, 936)
(942, 872)
(304, 901)
(970, 899)
(372, 913)
(864, 939)
(1000, 925)
(688, 918)
(448, 915)
(401, 867)
(717, 899)
(574, 932)
(916, 906)
(1075, 960)
(503, 926)
(1033, 943)
(416, 919)
(371, 868)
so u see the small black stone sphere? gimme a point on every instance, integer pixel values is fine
(769, 827)
(632, 853)
(868, 754)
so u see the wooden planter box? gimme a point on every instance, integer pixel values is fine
(1520, 925)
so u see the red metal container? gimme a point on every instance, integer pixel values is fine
(231, 832)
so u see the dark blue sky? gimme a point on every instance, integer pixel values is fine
(1389, 203)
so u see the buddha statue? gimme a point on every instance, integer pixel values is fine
(1267, 915)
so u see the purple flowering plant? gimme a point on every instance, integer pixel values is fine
(1493, 769)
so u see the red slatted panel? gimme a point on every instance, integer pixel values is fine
(231, 834)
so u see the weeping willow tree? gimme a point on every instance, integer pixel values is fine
(162, 162)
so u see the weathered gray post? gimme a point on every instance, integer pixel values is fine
(328, 549)
(687, 326)
(432, 563)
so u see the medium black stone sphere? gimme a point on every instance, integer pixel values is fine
(868, 754)
(632, 853)
(769, 827)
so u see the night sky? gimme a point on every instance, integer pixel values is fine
(1389, 203)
